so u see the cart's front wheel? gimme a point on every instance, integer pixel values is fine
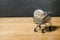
(35, 30)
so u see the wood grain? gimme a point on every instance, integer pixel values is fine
(21, 28)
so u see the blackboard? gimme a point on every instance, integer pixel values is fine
(25, 8)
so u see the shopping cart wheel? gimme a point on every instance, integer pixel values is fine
(35, 30)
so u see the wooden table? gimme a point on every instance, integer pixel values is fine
(21, 28)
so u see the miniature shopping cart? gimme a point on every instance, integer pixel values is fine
(41, 18)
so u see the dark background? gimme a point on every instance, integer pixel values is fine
(22, 8)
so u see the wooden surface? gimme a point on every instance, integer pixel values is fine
(22, 29)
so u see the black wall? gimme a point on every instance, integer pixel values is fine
(21, 8)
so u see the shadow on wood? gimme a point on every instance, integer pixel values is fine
(50, 28)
